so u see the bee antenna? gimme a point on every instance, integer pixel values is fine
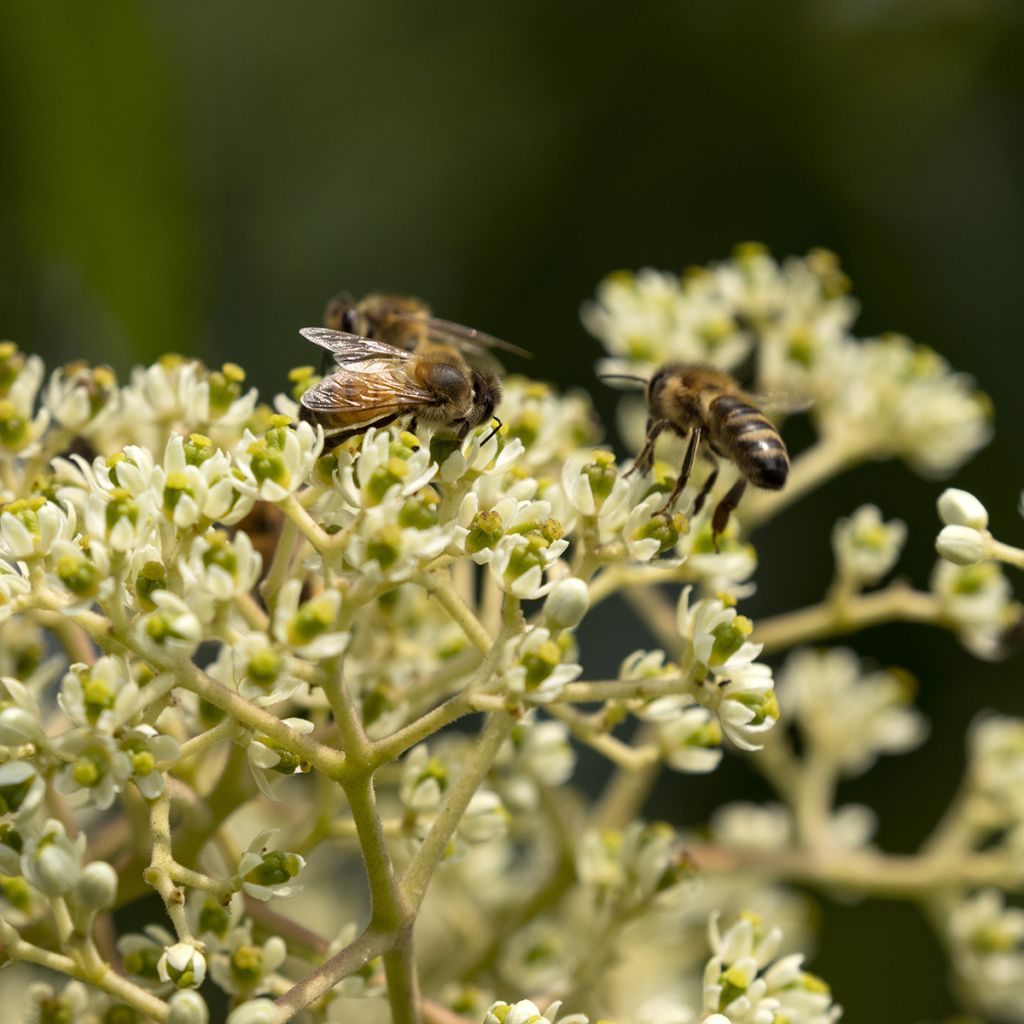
(498, 426)
(621, 376)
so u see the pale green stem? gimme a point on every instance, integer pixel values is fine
(897, 602)
(1005, 553)
(62, 918)
(316, 984)
(417, 877)
(626, 756)
(890, 876)
(227, 729)
(159, 872)
(438, 585)
(282, 562)
(107, 980)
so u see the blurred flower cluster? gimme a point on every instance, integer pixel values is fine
(232, 660)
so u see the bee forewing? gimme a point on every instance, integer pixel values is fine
(371, 389)
(352, 348)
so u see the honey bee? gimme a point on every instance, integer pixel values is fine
(720, 420)
(373, 383)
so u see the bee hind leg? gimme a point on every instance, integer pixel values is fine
(686, 469)
(724, 508)
(645, 460)
(698, 502)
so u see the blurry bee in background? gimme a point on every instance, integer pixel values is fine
(407, 323)
(708, 407)
(372, 384)
(387, 357)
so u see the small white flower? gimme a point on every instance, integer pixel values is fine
(268, 762)
(308, 629)
(849, 716)
(278, 463)
(20, 720)
(865, 547)
(266, 874)
(533, 668)
(51, 861)
(171, 631)
(567, 604)
(22, 789)
(182, 965)
(245, 967)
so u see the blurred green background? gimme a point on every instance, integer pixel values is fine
(201, 177)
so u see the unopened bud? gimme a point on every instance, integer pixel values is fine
(96, 888)
(188, 1007)
(961, 545)
(961, 508)
(567, 604)
(256, 1011)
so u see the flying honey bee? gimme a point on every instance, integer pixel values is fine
(388, 357)
(720, 420)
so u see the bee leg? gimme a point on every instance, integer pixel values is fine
(686, 469)
(412, 426)
(645, 460)
(724, 508)
(698, 503)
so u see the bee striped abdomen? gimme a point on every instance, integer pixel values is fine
(748, 437)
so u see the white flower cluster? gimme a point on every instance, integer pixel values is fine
(876, 398)
(204, 609)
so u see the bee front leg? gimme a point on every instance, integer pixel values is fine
(724, 508)
(686, 469)
(645, 460)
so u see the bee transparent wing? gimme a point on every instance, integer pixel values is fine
(468, 338)
(348, 349)
(780, 403)
(373, 389)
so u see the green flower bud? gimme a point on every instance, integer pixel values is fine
(264, 667)
(11, 363)
(385, 548)
(665, 529)
(734, 983)
(143, 963)
(602, 475)
(214, 918)
(276, 868)
(268, 464)
(175, 486)
(151, 577)
(729, 638)
(79, 575)
(484, 532)
(540, 663)
(121, 506)
(16, 891)
(383, 478)
(421, 511)
(313, 617)
(225, 387)
(14, 428)
(247, 964)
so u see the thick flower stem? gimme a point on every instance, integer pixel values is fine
(417, 876)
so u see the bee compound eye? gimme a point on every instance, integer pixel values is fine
(350, 321)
